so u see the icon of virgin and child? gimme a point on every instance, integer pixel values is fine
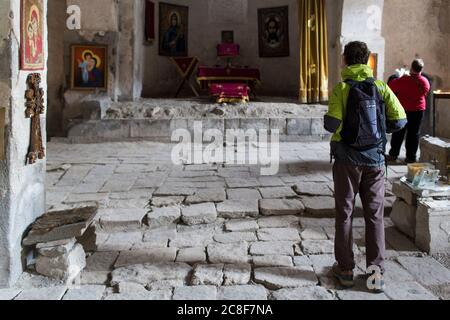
(90, 74)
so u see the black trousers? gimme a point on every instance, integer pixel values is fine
(412, 132)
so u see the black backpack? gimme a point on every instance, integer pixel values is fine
(364, 125)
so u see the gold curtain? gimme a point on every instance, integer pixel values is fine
(313, 51)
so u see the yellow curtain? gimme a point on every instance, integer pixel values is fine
(313, 51)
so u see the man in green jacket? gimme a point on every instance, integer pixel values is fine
(360, 170)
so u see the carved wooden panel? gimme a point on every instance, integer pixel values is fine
(34, 96)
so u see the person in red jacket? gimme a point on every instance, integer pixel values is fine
(412, 91)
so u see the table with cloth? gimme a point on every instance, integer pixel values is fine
(229, 84)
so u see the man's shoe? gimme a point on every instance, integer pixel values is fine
(375, 283)
(409, 161)
(345, 278)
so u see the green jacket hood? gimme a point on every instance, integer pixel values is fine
(357, 72)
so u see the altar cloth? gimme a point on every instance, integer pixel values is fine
(229, 92)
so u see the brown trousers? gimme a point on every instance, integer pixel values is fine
(369, 183)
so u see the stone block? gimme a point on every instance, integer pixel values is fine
(243, 194)
(403, 216)
(246, 225)
(195, 293)
(207, 195)
(191, 255)
(313, 189)
(320, 207)
(404, 192)
(242, 293)
(272, 261)
(435, 149)
(208, 274)
(433, 226)
(277, 192)
(237, 209)
(150, 255)
(121, 219)
(85, 293)
(165, 216)
(286, 277)
(426, 270)
(235, 253)
(272, 248)
(148, 273)
(279, 222)
(299, 127)
(150, 128)
(303, 294)
(280, 207)
(314, 247)
(195, 214)
(232, 237)
(65, 267)
(278, 124)
(236, 274)
(278, 234)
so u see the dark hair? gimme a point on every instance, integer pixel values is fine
(87, 54)
(417, 65)
(356, 52)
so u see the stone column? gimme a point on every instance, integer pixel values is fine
(131, 46)
(362, 20)
(22, 189)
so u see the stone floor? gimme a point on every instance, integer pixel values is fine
(216, 231)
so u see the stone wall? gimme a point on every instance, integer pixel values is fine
(22, 191)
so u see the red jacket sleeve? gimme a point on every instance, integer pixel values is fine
(425, 85)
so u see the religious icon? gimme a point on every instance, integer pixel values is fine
(89, 67)
(274, 32)
(173, 30)
(32, 50)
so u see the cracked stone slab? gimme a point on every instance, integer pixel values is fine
(315, 247)
(426, 271)
(160, 237)
(313, 189)
(195, 293)
(85, 293)
(148, 273)
(94, 277)
(277, 192)
(272, 261)
(167, 201)
(207, 195)
(208, 274)
(48, 293)
(303, 294)
(232, 237)
(279, 222)
(243, 194)
(286, 277)
(237, 209)
(195, 214)
(281, 207)
(150, 255)
(235, 253)
(320, 207)
(8, 294)
(278, 234)
(236, 274)
(242, 183)
(246, 225)
(191, 255)
(121, 219)
(407, 291)
(242, 293)
(165, 216)
(272, 248)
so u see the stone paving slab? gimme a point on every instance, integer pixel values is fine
(286, 277)
(49, 293)
(148, 273)
(191, 255)
(8, 294)
(195, 214)
(235, 253)
(302, 294)
(236, 274)
(243, 293)
(121, 219)
(272, 261)
(408, 291)
(246, 225)
(277, 192)
(279, 222)
(156, 295)
(280, 207)
(195, 293)
(238, 209)
(278, 234)
(319, 207)
(272, 248)
(243, 194)
(89, 292)
(151, 255)
(426, 270)
(207, 274)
